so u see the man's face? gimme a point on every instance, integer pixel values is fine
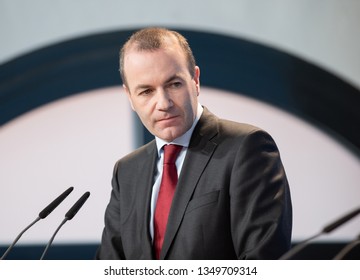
(161, 90)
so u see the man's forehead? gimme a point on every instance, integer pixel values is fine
(174, 53)
(135, 52)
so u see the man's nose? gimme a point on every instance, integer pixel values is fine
(163, 101)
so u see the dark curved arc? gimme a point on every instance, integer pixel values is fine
(229, 63)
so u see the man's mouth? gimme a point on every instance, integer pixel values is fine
(167, 119)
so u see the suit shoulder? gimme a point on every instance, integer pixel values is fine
(238, 129)
(139, 154)
(244, 135)
(228, 130)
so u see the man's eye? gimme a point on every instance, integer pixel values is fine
(176, 85)
(145, 92)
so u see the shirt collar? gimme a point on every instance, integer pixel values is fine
(184, 139)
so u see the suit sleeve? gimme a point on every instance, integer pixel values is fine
(111, 245)
(260, 204)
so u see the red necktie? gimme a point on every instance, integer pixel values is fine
(166, 193)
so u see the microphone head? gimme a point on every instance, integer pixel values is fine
(327, 229)
(341, 221)
(76, 207)
(48, 209)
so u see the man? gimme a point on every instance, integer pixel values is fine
(231, 200)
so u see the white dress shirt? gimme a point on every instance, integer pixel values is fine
(184, 141)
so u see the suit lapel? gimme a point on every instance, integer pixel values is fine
(201, 149)
(145, 187)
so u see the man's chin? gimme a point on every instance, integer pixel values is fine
(169, 134)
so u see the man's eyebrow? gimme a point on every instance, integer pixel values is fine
(173, 77)
(141, 86)
(170, 79)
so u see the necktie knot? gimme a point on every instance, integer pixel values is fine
(171, 152)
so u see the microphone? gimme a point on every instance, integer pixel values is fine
(347, 248)
(48, 209)
(68, 216)
(42, 215)
(327, 229)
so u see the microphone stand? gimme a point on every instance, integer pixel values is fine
(347, 249)
(327, 229)
(42, 215)
(18, 237)
(296, 249)
(52, 238)
(68, 216)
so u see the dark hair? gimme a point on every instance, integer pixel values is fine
(151, 39)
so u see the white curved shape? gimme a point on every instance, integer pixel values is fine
(75, 141)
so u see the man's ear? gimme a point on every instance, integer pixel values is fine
(197, 79)
(127, 91)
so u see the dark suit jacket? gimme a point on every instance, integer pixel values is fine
(232, 200)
